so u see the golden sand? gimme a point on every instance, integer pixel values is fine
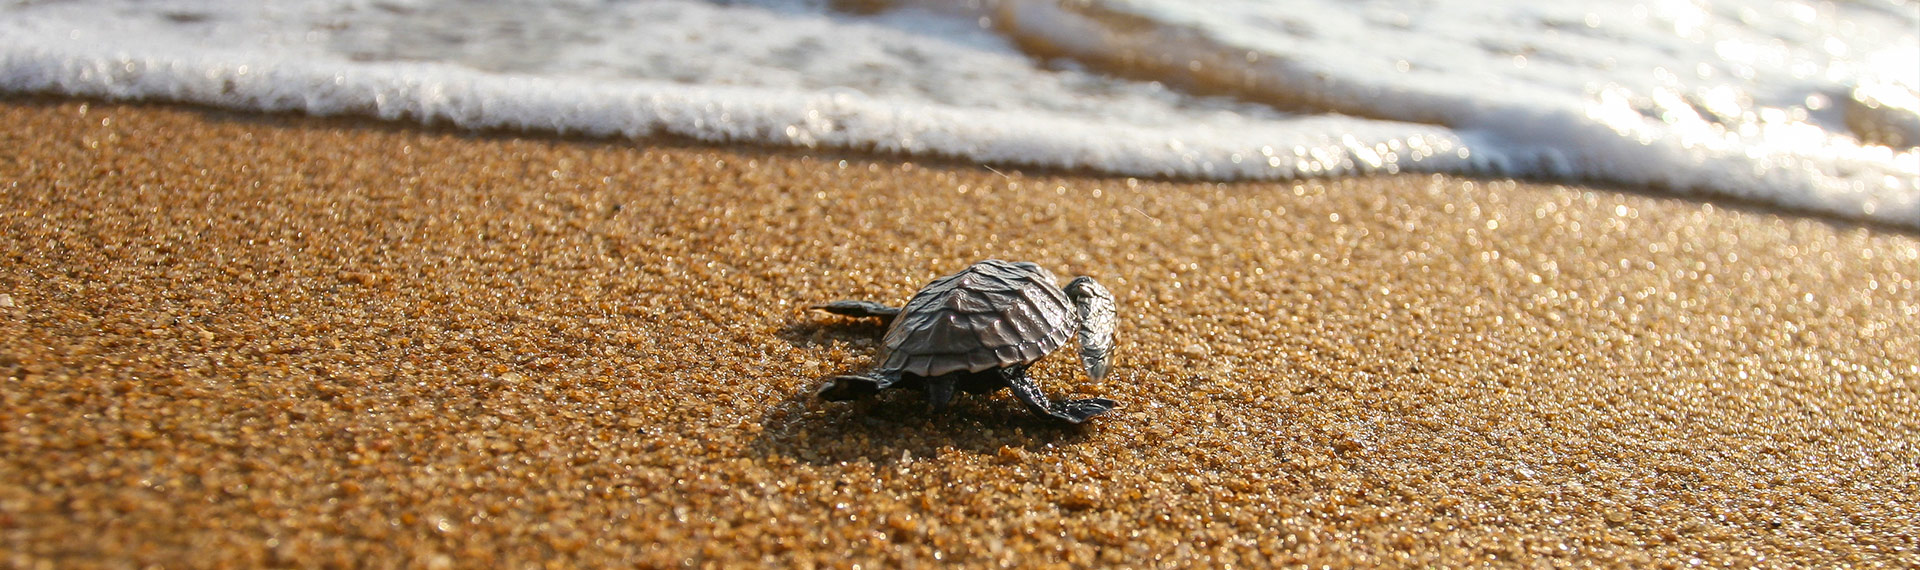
(241, 340)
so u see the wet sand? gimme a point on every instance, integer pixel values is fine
(237, 340)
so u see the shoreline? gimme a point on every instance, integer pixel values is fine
(668, 139)
(266, 339)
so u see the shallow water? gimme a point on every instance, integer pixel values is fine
(1808, 105)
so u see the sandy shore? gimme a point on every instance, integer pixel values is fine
(238, 340)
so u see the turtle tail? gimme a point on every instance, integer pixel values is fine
(854, 386)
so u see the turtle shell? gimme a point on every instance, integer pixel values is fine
(994, 314)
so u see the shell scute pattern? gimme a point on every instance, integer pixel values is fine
(1050, 303)
(969, 304)
(991, 316)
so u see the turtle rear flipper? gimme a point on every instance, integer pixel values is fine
(940, 393)
(854, 386)
(1070, 411)
(859, 309)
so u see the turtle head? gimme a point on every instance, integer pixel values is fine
(1084, 286)
(1095, 307)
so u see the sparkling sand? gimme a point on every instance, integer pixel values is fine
(242, 340)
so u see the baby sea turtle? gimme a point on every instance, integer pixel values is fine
(978, 330)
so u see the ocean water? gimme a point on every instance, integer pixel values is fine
(1807, 105)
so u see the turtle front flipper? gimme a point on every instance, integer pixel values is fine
(1071, 411)
(1095, 306)
(862, 309)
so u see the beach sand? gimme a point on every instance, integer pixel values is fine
(244, 340)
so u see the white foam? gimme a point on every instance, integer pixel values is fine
(1686, 96)
(940, 83)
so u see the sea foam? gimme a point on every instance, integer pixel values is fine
(1808, 106)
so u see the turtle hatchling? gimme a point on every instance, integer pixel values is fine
(978, 330)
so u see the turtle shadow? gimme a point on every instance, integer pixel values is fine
(897, 424)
